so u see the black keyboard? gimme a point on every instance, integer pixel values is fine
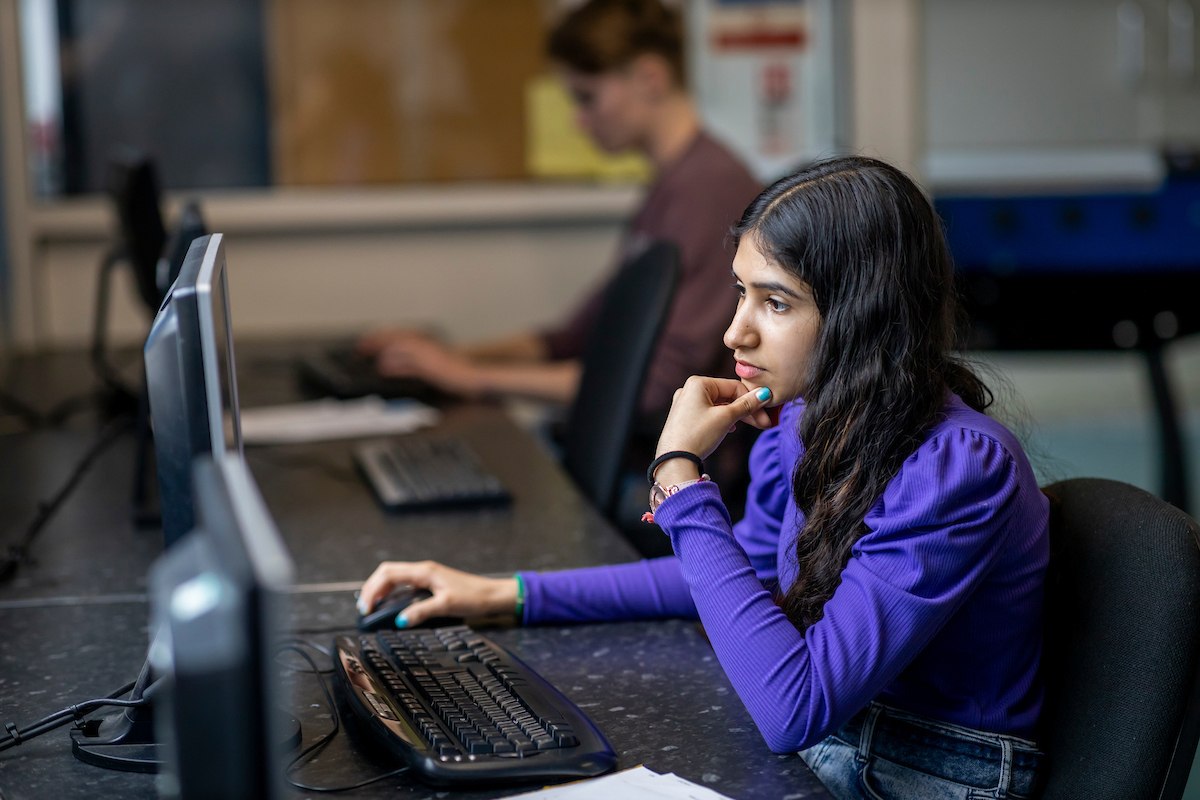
(342, 373)
(459, 708)
(428, 471)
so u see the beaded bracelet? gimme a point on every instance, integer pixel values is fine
(656, 463)
(520, 609)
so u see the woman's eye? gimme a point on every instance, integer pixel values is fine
(741, 290)
(778, 306)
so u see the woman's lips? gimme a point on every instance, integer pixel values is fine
(746, 371)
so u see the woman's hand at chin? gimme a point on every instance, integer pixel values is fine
(704, 410)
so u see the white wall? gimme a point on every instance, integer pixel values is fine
(475, 280)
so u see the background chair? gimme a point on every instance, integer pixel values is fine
(1122, 635)
(600, 420)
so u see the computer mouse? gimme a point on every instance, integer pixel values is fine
(383, 615)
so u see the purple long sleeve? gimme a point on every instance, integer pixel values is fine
(939, 607)
(649, 589)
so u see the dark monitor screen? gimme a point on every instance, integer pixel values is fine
(218, 607)
(191, 379)
(133, 186)
(189, 227)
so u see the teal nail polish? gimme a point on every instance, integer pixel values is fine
(362, 607)
(401, 620)
(763, 393)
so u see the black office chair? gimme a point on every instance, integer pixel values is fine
(600, 420)
(1122, 637)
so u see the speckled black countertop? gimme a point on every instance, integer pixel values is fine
(73, 624)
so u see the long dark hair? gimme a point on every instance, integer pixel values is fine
(866, 240)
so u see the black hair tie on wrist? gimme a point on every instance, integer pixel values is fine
(656, 463)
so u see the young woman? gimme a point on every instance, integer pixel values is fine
(878, 608)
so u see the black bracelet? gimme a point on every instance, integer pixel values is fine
(656, 463)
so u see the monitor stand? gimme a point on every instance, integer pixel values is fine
(124, 740)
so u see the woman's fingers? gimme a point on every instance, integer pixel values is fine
(454, 593)
(388, 576)
(436, 605)
(706, 409)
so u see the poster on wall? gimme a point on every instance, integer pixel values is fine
(767, 78)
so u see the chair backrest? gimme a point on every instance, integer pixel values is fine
(1122, 643)
(600, 420)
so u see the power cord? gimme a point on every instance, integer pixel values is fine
(11, 404)
(292, 643)
(307, 754)
(18, 554)
(73, 713)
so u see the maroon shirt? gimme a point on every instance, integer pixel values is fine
(693, 203)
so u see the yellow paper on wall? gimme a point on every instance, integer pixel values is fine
(556, 148)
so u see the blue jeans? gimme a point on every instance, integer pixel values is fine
(893, 755)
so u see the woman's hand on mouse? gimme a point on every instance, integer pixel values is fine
(454, 593)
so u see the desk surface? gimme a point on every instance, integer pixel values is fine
(73, 624)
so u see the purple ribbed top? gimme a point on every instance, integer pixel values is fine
(938, 612)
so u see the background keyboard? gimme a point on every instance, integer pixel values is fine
(342, 373)
(460, 708)
(422, 471)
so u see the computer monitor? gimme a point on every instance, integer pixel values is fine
(189, 227)
(191, 379)
(134, 189)
(191, 388)
(218, 606)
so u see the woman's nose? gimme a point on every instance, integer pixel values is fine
(739, 333)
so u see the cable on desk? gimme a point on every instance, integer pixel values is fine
(18, 553)
(72, 713)
(324, 739)
(11, 404)
(291, 643)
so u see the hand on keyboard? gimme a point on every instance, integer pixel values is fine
(372, 343)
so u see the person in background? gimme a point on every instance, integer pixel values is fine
(623, 63)
(878, 608)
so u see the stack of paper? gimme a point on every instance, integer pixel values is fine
(318, 420)
(632, 784)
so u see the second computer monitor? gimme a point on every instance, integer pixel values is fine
(191, 379)
(218, 608)
(189, 227)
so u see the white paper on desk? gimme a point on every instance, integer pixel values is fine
(637, 783)
(319, 420)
